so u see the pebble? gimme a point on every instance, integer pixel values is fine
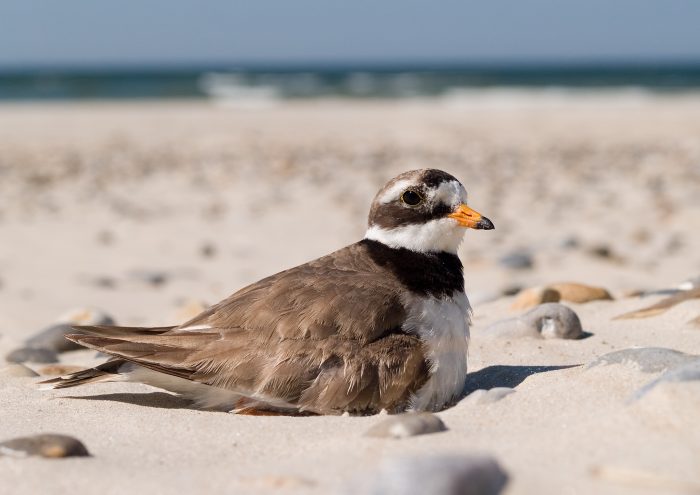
(153, 278)
(529, 298)
(661, 306)
(208, 250)
(104, 282)
(30, 354)
(517, 260)
(53, 337)
(688, 372)
(570, 242)
(482, 396)
(407, 425)
(444, 474)
(47, 445)
(580, 293)
(646, 359)
(17, 371)
(549, 320)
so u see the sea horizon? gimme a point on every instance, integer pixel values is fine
(399, 79)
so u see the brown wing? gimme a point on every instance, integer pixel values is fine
(324, 337)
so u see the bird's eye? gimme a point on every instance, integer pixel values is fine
(411, 198)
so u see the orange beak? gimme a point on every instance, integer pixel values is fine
(466, 217)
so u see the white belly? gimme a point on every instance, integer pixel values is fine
(443, 325)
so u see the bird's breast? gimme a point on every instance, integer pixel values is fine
(443, 326)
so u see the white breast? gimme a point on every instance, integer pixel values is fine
(443, 325)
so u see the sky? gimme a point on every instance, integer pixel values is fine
(182, 32)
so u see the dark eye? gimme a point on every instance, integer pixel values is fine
(411, 198)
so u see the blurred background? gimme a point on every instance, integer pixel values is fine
(176, 149)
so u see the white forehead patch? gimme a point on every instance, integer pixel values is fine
(449, 193)
(393, 192)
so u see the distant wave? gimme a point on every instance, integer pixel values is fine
(255, 87)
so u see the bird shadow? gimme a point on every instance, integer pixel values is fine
(504, 376)
(160, 400)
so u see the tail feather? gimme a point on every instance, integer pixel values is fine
(104, 372)
(113, 331)
(92, 337)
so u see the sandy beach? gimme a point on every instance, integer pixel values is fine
(147, 210)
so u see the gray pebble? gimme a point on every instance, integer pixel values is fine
(685, 373)
(150, 277)
(17, 371)
(548, 320)
(45, 445)
(570, 242)
(104, 282)
(53, 337)
(554, 321)
(407, 425)
(517, 260)
(435, 475)
(482, 396)
(647, 359)
(33, 355)
(208, 250)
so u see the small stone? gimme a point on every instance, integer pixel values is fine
(17, 371)
(534, 296)
(646, 359)
(33, 355)
(59, 369)
(601, 251)
(482, 396)
(688, 372)
(511, 290)
(517, 260)
(580, 293)
(104, 282)
(153, 278)
(208, 250)
(407, 425)
(47, 445)
(53, 337)
(554, 321)
(549, 321)
(570, 242)
(435, 475)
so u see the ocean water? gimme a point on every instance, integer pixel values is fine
(270, 83)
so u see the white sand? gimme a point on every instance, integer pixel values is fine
(275, 187)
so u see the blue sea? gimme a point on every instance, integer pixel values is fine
(333, 81)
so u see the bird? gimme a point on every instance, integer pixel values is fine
(379, 325)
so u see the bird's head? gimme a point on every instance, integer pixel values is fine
(423, 210)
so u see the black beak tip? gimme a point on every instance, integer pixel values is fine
(485, 224)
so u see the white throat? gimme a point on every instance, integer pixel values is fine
(433, 236)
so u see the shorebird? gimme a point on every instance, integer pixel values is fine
(382, 324)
